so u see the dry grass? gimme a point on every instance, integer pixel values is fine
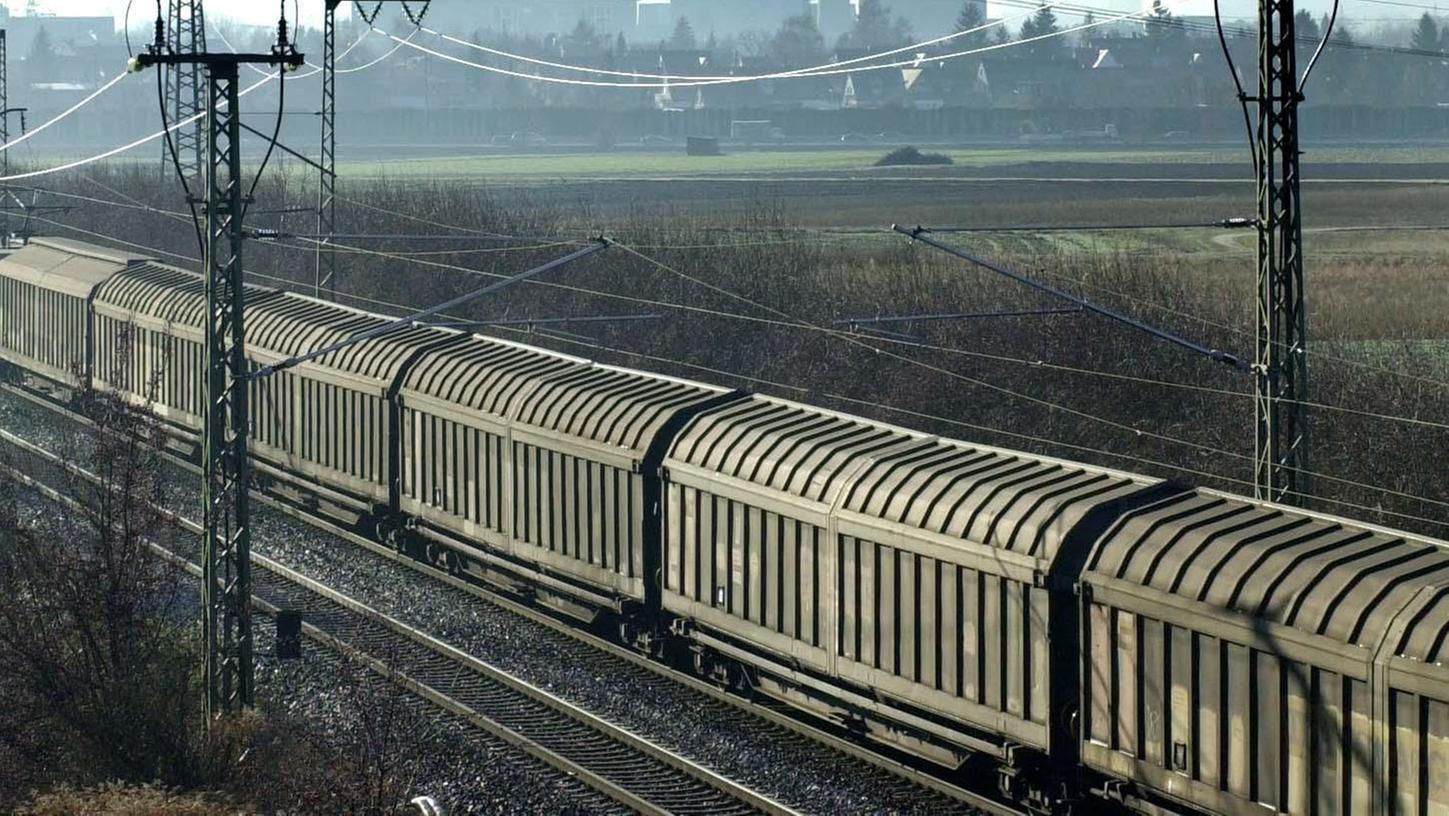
(119, 800)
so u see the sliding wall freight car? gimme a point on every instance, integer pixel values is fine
(1092, 636)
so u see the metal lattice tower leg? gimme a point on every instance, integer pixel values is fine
(226, 582)
(325, 280)
(1282, 359)
(4, 133)
(186, 34)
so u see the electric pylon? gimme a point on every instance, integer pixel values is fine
(226, 556)
(324, 282)
(1282, 450)
(185, 91)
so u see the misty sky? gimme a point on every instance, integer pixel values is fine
(265, 11)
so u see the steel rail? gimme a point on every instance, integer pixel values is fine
(811, 728)
(628, 768)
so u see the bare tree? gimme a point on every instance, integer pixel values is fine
(93, 655)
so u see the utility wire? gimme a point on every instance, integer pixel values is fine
(1318, 52)
(919, 234)
(281, 50)
(32, 132)
(116, 151)
(1028, 362)
(1237, 82)
(563, 66)
(737, 80)
(171, 143)
(441, 309)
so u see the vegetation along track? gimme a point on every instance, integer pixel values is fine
(894, 786)
(633, 771)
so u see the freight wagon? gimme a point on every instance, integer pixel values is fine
(1092, 637)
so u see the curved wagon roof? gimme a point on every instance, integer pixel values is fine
(889, 475)
(1317, 574)
(165, 293)
(293, 324)
(610, 406)
(1002, 499)
(806, 452)
(554, 393)
(62, 265)
(484, 374)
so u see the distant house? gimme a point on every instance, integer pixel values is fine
(936, 84)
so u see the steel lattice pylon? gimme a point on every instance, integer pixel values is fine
(326, 271)
(185, 85)
(226, 582)
(226, 545)
(1282, 338)
(326, 277)
(4, 131)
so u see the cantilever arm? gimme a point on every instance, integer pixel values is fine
(412, 320)
(921, 234)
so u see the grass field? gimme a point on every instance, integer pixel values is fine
(672, 162)
(985, 187)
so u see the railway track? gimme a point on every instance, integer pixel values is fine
(796, 731)
(629, 769)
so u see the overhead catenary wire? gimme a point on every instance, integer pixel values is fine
(1248, 334)
(1086, 415)
(1034, 363)
(418, 318)
(938, 418)
(1028, 362)
(908, 342)
(1224, 223)
(920, 234)
(1028, 397)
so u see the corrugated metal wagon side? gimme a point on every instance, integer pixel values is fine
(972, 555)
(45, 294)
(908, 576)
(149, 339)
(456, 462)
(580, 446)
(749, 545)
(1413, 743)
(330, 419)
(1236, 659)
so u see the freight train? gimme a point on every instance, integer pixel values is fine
(1079, 636)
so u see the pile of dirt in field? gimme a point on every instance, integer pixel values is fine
(909, 156)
